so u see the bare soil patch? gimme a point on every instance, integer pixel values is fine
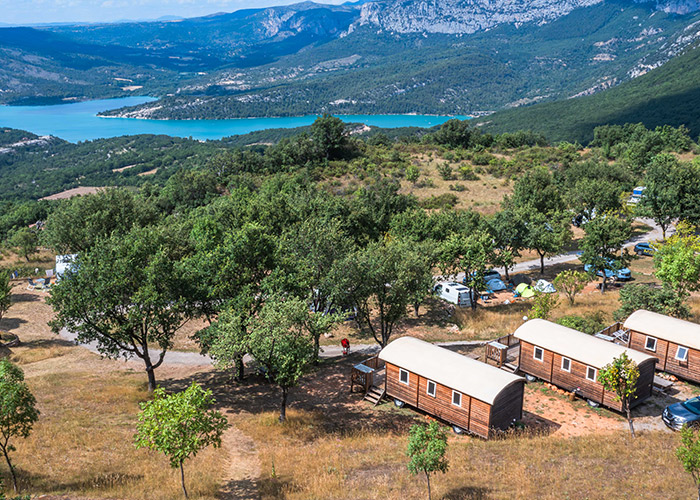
(82, 190)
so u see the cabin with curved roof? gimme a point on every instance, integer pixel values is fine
(571, 360)
(674, 342)
(467, 393)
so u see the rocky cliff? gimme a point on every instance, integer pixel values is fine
(470, 16)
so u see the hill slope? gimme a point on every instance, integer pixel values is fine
(669, 95)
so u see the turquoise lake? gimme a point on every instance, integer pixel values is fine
(79, 121)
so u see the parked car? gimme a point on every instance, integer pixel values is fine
(644, 249)
(679, 414)
(454, 293)
(623, 274)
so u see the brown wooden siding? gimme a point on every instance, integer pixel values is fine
(473, 415)
(508, 406)
(441, 405)
(395, 389)
(666, 354)
(551, 371)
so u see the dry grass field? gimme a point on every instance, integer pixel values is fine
(334, 445)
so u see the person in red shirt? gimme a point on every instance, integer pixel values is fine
(346, 346)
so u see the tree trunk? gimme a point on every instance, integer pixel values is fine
(541, 263)
(283, 406)
(505, 268)
(240, 368)
(602, 286)
(473, 296)
(427, 477)
(12, 469)
(182, 480)
(629, 419)
(317, 348)
(416, 306)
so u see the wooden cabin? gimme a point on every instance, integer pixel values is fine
(467, 393)
(571, 359)
(674, 342)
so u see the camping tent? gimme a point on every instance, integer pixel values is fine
(520, 278)
(544, 286)
(495, 285)
(524, 290)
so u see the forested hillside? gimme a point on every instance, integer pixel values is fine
(666, 95)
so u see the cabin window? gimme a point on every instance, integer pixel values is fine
(682, 353)
(431, 388)
(651, 344)
(456, 398)
(538, 354)
(591, 373)
(566, 364)
(403, 376)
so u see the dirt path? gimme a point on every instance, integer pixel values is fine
(242, 467)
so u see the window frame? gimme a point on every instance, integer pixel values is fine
(562, 364)
(427, 389)
(534, 354)
(408, 377)
(595, 374)
(684, 359)
(646, 343)
(460, 398)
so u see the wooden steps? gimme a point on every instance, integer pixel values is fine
(509, 367)
(374, 395)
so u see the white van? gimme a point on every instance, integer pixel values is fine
(454, 293)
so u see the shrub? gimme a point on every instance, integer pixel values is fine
(591, 324)
(445, 171)
(447, 200)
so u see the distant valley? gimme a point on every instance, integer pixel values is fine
(401, 56)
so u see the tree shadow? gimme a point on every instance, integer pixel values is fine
(48, 343)
(242, 489)
(8, 324)
(654, 406)
(467, 493)
(25, 297)
(325, 392)
(28, 482)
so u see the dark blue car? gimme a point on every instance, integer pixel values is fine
(684, 413)
(644, 249)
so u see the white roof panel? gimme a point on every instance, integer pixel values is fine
(468, 376)
(665, 327)
(573, 344)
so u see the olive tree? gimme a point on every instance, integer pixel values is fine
(17, 411)
(5, 293)
(688, 452)
(571, 283)
(620, 377)
(427, 446)
(677, 262)
(127, 294)
(603, 242)
(470, 254)
(180, 425)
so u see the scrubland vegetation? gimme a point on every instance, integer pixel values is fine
(241, 247)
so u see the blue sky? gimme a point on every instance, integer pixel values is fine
(50, 11)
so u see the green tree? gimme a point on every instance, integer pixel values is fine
(470, 254)
(17, 411)
(508, 231)
(571, 283)
(329, 137)
(412, 173)
(537, 191)
(281, 344)
(663, 300)
(688, 452)
(543, 304)
(662, 196)
(427, 446)
(78, 223)
(455, 134)
(546, 234)
(180, 425)
(620, 377)
(127, 294)
(379, 282)
(677, 261)
(602, 244)
(25, 240)
(5, 293)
